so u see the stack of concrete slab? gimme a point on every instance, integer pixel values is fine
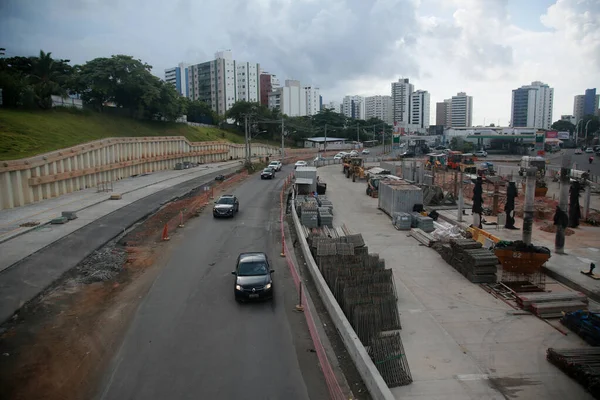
(552, 305)
(422, 222)
(325, 202)
(402, 221)
(325, 217)
(468, 257)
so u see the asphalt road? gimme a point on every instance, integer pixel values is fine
(191, 340)
(23, 281)
(582, 161)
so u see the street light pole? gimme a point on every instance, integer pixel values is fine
(325, 143)
(282, 139)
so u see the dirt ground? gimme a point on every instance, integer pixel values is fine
(58, 345)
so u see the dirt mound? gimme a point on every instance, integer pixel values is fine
(548, 227)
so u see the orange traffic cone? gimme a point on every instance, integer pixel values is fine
(165, 235)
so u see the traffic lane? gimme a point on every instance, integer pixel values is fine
(582, 161)
(191, 339)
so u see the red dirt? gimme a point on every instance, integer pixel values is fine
(551, 228)
(59, 345)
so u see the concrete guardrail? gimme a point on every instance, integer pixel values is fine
(367, 370)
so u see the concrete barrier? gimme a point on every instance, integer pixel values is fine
(367, 370)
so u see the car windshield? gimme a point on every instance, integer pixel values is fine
(252, 268)
(268, 170)
(225, 200)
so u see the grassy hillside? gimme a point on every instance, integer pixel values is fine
(27, 133)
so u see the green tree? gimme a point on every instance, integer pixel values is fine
(199, 111)
(48, 78)
(563, 125)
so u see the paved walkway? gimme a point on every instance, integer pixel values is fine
(460, 342)
(17, 243)
(582, 248)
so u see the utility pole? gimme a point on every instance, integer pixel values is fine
(563, 203)
(247, 139)
(282, 141)
(357, 134)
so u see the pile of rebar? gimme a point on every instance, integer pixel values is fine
(468, 257)
(583, 365)
(387, 353)
(584, 323)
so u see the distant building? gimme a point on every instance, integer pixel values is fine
(178, 77)
(354, 107)
(380, 107)
(220, 82)
(586, 104)
(289, 99)
(461, 110)
(334, 105)
(532, 106)
(570, 118)
(401, 92)
(268, 83)
(313, 100)
(419, 110)
(443, 113)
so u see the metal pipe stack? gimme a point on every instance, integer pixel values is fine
(583, 365)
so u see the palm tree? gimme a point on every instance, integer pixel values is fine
(45, 79)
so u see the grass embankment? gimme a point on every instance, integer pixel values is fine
(28, 133)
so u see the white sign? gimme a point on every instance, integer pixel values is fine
(563, 135)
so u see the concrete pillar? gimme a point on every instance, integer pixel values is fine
(27, 189)
(38, 195)
(528, 208)
(63, 183)
(17, 189)
(70, 187)
(54, 191)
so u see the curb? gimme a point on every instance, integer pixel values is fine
(367, 370)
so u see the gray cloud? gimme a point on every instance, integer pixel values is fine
(320, 42)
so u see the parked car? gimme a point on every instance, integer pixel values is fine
(366, 151)
(300, 164)
(253, 277)
(276, 165)
(267, 173)
(480, 153)
(589, 150)
(339, 156)
(226, 206)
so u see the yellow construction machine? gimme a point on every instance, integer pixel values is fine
(355, 169)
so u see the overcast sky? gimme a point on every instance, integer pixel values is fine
(483, 47)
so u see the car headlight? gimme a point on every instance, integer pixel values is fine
(268, 286)
(238, 287)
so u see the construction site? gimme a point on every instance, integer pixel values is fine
(514, 316)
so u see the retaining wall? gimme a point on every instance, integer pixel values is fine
(53, 174)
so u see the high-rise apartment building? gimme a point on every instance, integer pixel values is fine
(220, 82)
(354, 107)
(443, 113)
(178, 77)
(419, 110)
(379, 107)
(313, 100)
(334, 105)
(401, 92)
(586, 104)
(268, 83)
(461, 110)
(532, 106)
(289, 99)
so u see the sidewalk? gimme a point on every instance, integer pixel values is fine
(460, 342)
(582, 248)
(16, 242)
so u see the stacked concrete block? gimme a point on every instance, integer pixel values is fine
(468, 257)
(402, 221)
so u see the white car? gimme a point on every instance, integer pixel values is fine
(354, 153)
(276, 165)
(589, 150)
(300, 164)
(365, 151)
(480, 153)
(339, 156)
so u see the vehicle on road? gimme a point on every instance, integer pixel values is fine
(267, 173)
(253, 277)
(276, 165)
(527, 162)
(366, 151)
(300, 164)
(407, 154)
(480, 153)
(339, 156)
(578, 151)
(589, 150)
(354, 153)
(226, 206)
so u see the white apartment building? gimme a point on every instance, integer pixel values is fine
(532, 106)
(289, 99)
(223, 81)
(178, 77)
(334, 105)
(354, 107)
(461, 110)
(248, 81)
(570, 118)
(313, 100)
(578, 107)
(419, 111)
(401, 92)
(379, 107)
